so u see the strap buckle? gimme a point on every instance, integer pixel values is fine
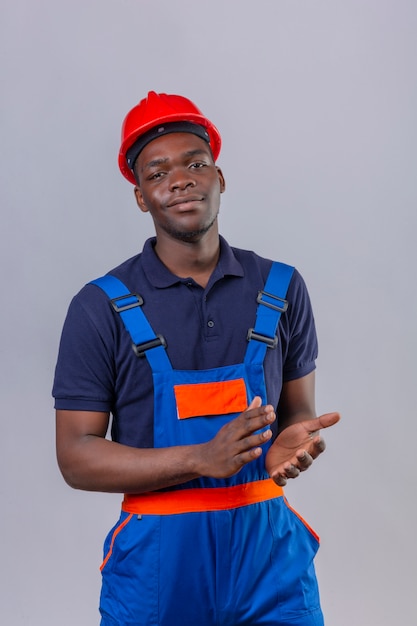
(282, 307)
(140, 348)
(271, 342)
(125, 307)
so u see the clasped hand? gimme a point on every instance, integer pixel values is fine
(240, 441)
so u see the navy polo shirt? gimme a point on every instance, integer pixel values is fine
(97, 369)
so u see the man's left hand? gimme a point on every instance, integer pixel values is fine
(296, 447)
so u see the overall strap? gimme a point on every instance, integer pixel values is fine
(129, 306)
(271, 304)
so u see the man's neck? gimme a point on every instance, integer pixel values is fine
(185, 259)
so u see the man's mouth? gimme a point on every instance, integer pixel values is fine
(184, 200)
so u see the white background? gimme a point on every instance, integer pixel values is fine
(316, 101)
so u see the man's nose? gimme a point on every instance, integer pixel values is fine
(181, 179)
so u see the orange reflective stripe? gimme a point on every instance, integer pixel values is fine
(217, 398)
(197, 500)
(116, 532)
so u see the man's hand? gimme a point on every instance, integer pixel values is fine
(237, 442)
(296, 447)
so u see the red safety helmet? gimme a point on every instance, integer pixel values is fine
(160, 108)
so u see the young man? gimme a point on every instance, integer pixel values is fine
(212, 410)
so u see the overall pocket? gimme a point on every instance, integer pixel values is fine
(130, 571)
(295, 546)
(125, 518)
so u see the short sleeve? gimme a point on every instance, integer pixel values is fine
(84, 374)
(301, 338)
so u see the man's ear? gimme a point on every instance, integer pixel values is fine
(221, 180)
(139, 199)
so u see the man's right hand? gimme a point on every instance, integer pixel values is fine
(237, 442)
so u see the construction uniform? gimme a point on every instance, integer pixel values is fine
(210, 551)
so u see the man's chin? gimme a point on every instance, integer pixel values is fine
(190, 236)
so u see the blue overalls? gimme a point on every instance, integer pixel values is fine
(209, 552)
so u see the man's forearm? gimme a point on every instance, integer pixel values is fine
(97, 464)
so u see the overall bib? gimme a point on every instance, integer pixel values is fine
(209, 552)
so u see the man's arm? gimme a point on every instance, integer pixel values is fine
(297, 401)
(89, 461)
(298, 442)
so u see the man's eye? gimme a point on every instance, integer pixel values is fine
(156, 175)
(198, 165)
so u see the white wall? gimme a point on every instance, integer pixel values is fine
(316, 102)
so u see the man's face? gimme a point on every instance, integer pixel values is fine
(180, 186)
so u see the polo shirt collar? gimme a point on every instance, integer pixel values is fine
(161, 277)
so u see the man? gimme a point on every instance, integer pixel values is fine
(212, 410)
